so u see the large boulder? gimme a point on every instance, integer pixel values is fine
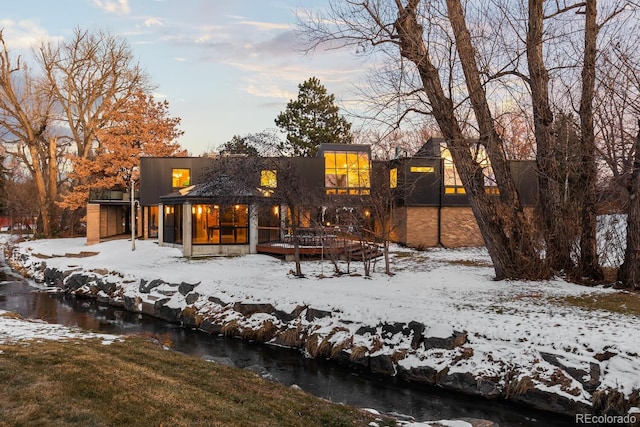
(184, 288)
(146, 287)
(589, 378)
(313, 314)
(53, 277)
(550, 402)
(418, 374)
(249, 309)
(457, 339)
(170, 314)
(191, 298)
(382, 364)
(76, 281)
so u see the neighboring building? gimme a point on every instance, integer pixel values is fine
(207, 207)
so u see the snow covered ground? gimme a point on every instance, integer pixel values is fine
(509, 324)
(14, 329)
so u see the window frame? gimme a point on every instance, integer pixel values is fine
(347, 172)
(238, 227)
(177, 178)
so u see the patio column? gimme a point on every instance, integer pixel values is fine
(187, 218)
(253, 229)
(160, 224)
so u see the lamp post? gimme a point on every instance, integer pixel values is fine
(133, 210)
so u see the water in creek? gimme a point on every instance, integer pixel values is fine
(319, 377)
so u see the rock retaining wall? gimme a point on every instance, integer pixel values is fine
(380, 349)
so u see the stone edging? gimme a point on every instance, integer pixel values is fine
(305, 329)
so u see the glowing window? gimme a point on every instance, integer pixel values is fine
(268, 179)
(422, 169)
(452, 182)
(393, 178)
(347, 172)
(219, 225)
(180, 178)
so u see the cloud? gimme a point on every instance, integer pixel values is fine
(150, 22)
(265, 25)
(120, 7)
(24, 34)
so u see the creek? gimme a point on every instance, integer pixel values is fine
(287, 366)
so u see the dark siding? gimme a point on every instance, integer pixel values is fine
(311, 171)
(155, 175)
(420, 188)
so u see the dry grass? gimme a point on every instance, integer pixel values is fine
(11, 315)
(136, 383)
(619, 302)
(469, 262)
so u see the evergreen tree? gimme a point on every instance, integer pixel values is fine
(312, 119)
(239, 145)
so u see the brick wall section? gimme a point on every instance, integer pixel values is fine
(459, 228)
(93, 224)
(417, 227)
(398, 232)
(422, 227)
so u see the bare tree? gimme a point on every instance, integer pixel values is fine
(507, 233)
(629, 273)
(57, 111)
(25, 116)
(82, 75)
(288, 188)
(453, 64)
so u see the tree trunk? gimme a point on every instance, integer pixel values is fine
(507, 235)
(52, 190)
(629, 273)
(558, 246)
(589, 266)
(506, 227)
(41, 189)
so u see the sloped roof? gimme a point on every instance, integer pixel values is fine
(221, 186)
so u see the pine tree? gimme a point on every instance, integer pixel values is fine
(239, 145)
(311, 120)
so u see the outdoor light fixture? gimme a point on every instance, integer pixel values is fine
(133, 209)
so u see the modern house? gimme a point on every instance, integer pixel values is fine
(239, 205)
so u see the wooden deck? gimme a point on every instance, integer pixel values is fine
(351, 250)
(288, 249)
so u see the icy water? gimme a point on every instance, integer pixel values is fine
(319, 377)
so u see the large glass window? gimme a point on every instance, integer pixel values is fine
(347, 172)
(153, 222)
(220, 224)
(180, 178)
(172, 223)
(452, 182)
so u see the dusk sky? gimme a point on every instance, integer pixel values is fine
(226, 67)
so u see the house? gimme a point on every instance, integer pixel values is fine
(239, 205)
(432, 208)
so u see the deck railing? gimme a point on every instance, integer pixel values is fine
(318, 237)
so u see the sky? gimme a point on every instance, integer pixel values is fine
(226, 67)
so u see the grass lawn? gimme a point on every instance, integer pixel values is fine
(621, 302)
(136, 383)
